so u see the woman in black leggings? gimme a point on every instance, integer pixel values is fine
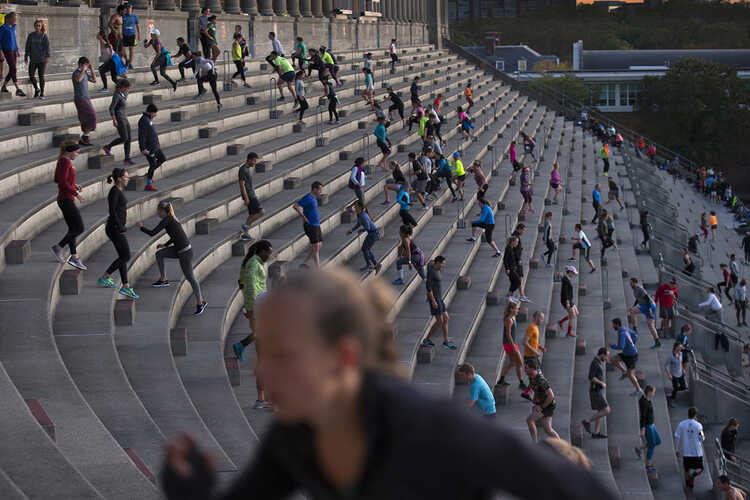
(330, 93)
(115, 229)
(120, 119)
(67, 192)
(36, 56)
(178, 247)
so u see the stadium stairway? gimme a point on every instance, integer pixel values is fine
(62, 405)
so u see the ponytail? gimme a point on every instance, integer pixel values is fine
(115, 175)
(167, 207)
(254, 249)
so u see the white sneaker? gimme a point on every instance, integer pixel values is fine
(261, 405)
(524, 298)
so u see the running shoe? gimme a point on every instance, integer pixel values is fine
(200, 308)
(20, 93)
(454, 200)
(586, 425)
(84, 141)
(526, 395)
(160, 283)
(129, 292)
(128, 161)
(261, 405)
(180, 80)
(174, 86)
(103, 91)
(239, 351)
(219, 107)
(386, 202)
(36, 93)
(247, 237)
(624, 376)
(428, 342)
(76, 262)
(599, 435)
(472, 239)
(106, 283)
(548, 266)
(524, 298)
(366, 268)
(637, 392)
(246, 85)
(572, 259)
(502, 382)
(149, 187)
(593, 271)
(155, 82)
(651, 468)
(4, 89)
(107, 151)
(449, 345)
(571, 334)
(58, 253)
(522, 386)
(42, 97)
(280, 98)
(398, 282)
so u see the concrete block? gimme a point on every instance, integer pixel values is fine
(619, 241)
(235, 149)
(461, 223)
(18, 252)
(401, 148)
(263, 166)
(232, 366)
(494, 298)
(59, 138)
(263, 66)
(501, 205)
(550, 331)
(641, 378)
(275, 114)
(345, 155)
(321, 142)
(179, 116)
(298, 127)
(436, 210)
(71, 282)
(137, 183)
(361, 125)
(178, 341)
(323, 199)
(606, 303)
(502, 394)
(207, 132)
(100, 162)
(512, 181)
(277, 272)
(583, 199)
(124, 312)
(547, 202)
(625, 273)
(425, 354)
(343, 113)
(521, 217)
(348, 217)
(251, 100)
(37, 411)
(523, 314)
(580, 346)
(206, 225)
(463, 282)
(653, 478)
(27, 119)
(322, 101)
(292, 182)
(565, 211)
(582, 289)
(562, 240)
(576, 434)
(615, 456)
(239, 248)
(535, 263)
(151, 99)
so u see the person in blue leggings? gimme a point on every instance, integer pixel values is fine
(649, 435)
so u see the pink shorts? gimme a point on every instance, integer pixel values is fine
(509, 348)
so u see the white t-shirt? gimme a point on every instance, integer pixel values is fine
(689, 438)
(392, 48)
(277, 47)
(584, 240)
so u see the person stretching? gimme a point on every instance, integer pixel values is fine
(409, 254)
(486, 221)
(307, 208)
(596, 394)
(148, 142)
(438, 310)
(177, 247)
(365, 224)
(120, 120)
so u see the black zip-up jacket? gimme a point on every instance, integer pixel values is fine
(177, 236)
(37, 47)
(118, 209)
(147, 136)
(410, 438)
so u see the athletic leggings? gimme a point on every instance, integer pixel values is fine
(120, 241)
(550, 250)
(155, 159)
(186, 63)
(11, 58)
(448, 180)
(370, 239)
(123, 128)
(37, 68)
(415, 261)
(211, 79)
(652, 440)
(396, 107)
(332, 109)
(406, 218)
(73, 219)
(104, 68)
(240, 70)
(515, 280)
(186, 263)
(727, 287)
(303, 106)
(161, 63)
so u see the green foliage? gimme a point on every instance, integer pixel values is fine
(677, 24)
(569, 85)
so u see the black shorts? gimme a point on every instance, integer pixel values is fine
(686, 355)
(527, 359)
(253, 207)
(585, 250)
(598, 400)
(549, 410)
(488, 228)
(629, 361)
(440, 309)
(461, 177)
(384, 148)
(128, 40)
(394, 57)
(482, 191)
(288, 76)
(692, 463)
(566, 307)
(666, 312)
(554, 185)
(314, 234)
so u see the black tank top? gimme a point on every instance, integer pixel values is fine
(506, 338)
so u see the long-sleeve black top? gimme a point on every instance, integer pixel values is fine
(417, 448)
(177, 236)
(510, 260)
(728, 439)
(519, 248)
(117, 107)
(566, 290)
(118, 209)
(646, 409)
(37, 47)
(147, 136)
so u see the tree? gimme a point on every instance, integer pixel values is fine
(546, 65)
(569, 86)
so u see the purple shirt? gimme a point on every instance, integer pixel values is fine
(554, 177)
(512, 153)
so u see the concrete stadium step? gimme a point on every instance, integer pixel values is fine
(221, 196)
(28, 169)
(24, 217)
(20, 139)
(25, 449)
(59, 87)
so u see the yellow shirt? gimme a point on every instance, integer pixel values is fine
(532, 333)
(712, 221)
(459, 170)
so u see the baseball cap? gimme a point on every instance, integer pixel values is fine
(155, 32)
(369, 54)
(572, 269)
(457, 154)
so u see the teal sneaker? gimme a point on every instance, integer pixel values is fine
(239, 351)
(108, 283)
(129, 292)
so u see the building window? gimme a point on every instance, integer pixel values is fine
(373, 6)
(608, 94)
(522, 65)
(500, 64)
